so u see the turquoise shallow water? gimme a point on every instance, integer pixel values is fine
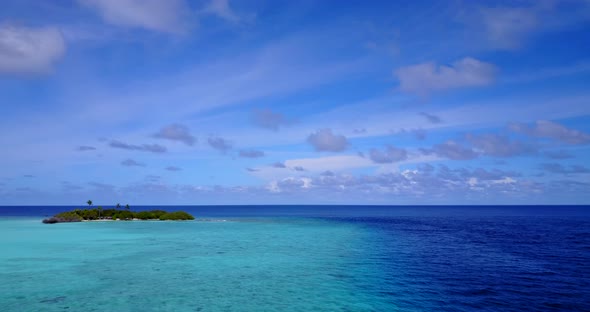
(310, 258)
(263, 264)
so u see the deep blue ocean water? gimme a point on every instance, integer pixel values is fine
(301, 258)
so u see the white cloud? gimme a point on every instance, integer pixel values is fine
(332, 163)
(251, 153)
(505, 180)
(132, 163)
(325, 141)
(389, 155)
(176, 132)
(84, 148)
(552, 130)
(157, 15)
(29, 50)
(423, 183)
(220, 144)
(173, 168)
(428, 77)
(268, 119)
(451, 150)
(311, 166)
(222, 9)
(496, 145)
(153, 148)
(507, 28)
(511, 24)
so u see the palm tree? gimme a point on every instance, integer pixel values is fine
(89, 202)
(127, 207)
(118, 206)
(99, 211)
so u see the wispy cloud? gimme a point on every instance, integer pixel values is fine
(29, 50)
(103, 186)
(251, 74)
(389, 155)
(71, 187)
(176, 132)
(552, 130)
(268, 119)
(327, 173)
(560, 169)
(251, 153)
(500, 146)
(560, 154)
(173, 168)
(153, 178)
(279, 165)
(222, 9)
(219, 144)
(577, 68)
(509, 27)
(84, 148)
(332, 163)
(163, 16)
(153, 148)
(451, 150)
(419, 134)
(490, 144)
(425, 78)
(132, 163)
(431, 118)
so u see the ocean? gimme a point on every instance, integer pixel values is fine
(301, 258)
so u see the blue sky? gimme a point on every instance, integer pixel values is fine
(294, 102)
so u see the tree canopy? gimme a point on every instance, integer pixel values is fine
(118, 214)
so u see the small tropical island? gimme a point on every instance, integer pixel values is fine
(116, 214)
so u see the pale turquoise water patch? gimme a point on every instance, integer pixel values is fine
(263, 264)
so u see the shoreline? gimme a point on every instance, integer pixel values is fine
(55, 220)
(110, 215)
(134, 219)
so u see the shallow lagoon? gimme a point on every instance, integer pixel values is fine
(443, 262)
(247, 265)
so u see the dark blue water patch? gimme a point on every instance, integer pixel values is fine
(480, 263)
(326, 210)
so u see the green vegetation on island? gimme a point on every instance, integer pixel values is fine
(113, 214)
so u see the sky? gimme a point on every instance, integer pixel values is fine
(294, 102)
